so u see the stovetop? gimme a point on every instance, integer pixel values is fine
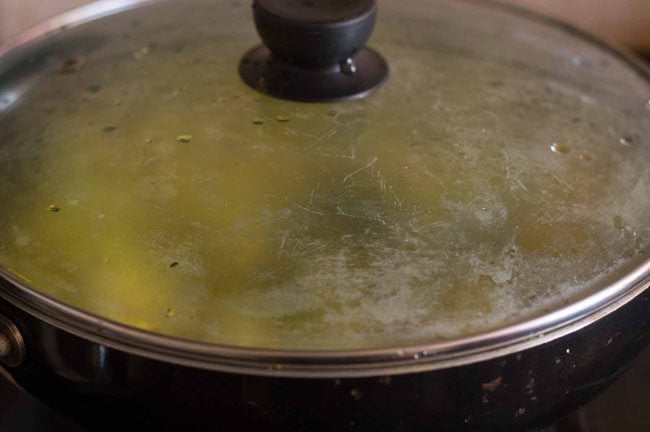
(624, 407)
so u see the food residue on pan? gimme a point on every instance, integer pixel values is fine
(356, 394)
(492, 385)
(73, 64)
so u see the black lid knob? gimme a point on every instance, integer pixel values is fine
(314, 50)
(314, 32)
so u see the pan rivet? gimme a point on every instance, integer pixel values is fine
(12, 345)
(5, 346)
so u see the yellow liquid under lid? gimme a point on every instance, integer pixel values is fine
(465, 195)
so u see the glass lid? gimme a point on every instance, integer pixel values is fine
(499, 173)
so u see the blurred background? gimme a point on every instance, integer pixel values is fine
(621, 22)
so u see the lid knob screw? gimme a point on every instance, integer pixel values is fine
(348, 67)
(314, 50)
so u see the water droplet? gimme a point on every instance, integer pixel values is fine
(142, 52)
(577, 61)
(348, 67)
(53, 208)
(626, 140)
(586, 157)
(170, 312)
(258, 122)
(559, 148)
(416, 356)
(184, 138)
(282, 118)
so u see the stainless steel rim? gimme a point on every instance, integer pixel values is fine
(318, 364)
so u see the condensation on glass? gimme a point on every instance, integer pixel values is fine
(501, 173)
